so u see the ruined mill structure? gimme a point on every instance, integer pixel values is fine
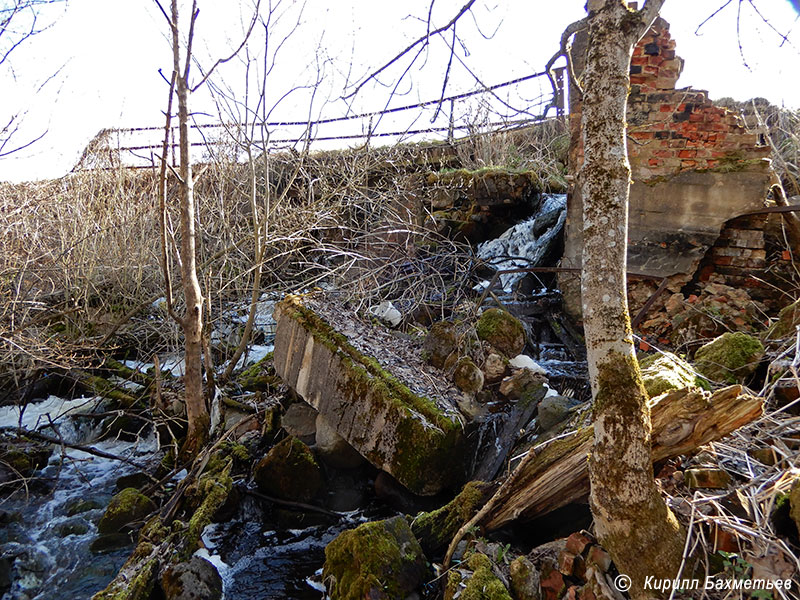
(697, 172)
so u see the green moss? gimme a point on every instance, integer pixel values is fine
(379, 560)
(260, 376)
(106, 389)
(730, 358)
(435, 529)
(126, 507)
(502, 330)
(787, 322)
(139, 588)
(366, 368)
(289, 471)
(483, 584)
(663, 371)
(214, 489)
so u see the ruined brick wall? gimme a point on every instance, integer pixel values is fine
(694, 167)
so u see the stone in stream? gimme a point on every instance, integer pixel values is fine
(195, 579)
(381, 560)
(289, 471)
(126, 508)
(416, 437)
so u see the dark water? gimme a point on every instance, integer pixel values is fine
(266, 560)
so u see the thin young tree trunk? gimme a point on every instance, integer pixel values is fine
(192, 321)
(632, 520)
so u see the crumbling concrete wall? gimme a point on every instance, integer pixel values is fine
(694, 167)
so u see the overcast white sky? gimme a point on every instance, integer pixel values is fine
(110, 51)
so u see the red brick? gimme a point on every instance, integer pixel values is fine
(654, 162)
(577, 542)
(687, 153)
(641, 135)
(688, 164)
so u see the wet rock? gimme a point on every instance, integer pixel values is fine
(731, 358)
(380, 560)
(553, 410)
(196, 579)
(441, 342)
(109, 542)
(134, 480)
(715, 479)
(333, 449)
(289, 471)
(75, 526)
(126, 508)
(81, 506)
(392, 493)
(346, 491)
(524, 579)
(473, 408)
(502, 331)
(522, 383)
(494, 368)
(467, 376)
(664, 371)
(300, 421)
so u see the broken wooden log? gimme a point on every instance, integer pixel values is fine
(557, 474)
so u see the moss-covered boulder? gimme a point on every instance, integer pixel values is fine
(664, 371)
(786, 325)
(289, 471)
(502, 331)
(467, 376)
(20, 458)
(380, 561)
(126, 508)
(482, 584)
(441, 342)
(435, 529)
(524, 579)
(730, 358)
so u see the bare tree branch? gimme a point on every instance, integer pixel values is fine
(424, 40)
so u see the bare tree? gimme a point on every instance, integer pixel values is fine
(20, 20)
(192, 320)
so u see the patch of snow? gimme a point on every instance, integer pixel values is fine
(523, 361)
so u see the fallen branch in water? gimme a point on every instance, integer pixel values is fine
(88, 449)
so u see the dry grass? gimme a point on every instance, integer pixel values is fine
(80, 255)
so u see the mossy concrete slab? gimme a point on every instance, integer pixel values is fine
(417, 440)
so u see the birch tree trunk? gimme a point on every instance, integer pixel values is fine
(632, 520)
